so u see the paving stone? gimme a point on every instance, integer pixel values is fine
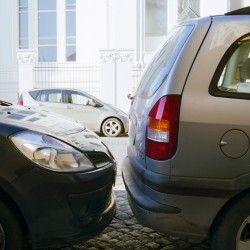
(125, 233)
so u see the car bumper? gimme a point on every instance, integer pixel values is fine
(63, 209)
(180, 215)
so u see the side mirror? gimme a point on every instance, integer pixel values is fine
(131, 95)
(95, 104)
(92, 103)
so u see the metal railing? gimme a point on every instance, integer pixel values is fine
(85, 76)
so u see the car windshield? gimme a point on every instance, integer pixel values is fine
(160, 66)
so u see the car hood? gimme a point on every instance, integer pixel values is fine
(53, 124)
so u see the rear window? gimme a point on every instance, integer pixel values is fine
(160, 66)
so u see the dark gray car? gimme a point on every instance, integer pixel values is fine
(56, 181)
(187, 171)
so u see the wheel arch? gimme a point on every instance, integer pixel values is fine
(227, 206)
(7, 199)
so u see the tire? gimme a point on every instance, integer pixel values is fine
(11, 231)
(112, 127)
(231, 231)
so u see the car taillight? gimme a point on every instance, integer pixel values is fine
(162, 128)
(20, 101)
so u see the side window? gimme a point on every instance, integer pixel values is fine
(77, 98)
(51, 96)
(34, 94)
(232, 78)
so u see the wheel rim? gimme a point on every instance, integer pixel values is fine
(2, 238)
(243, 236)
(112, 128)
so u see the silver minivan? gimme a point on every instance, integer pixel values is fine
(187, 171)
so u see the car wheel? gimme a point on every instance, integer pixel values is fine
(232, 230)
(11, 233)
(112, 127)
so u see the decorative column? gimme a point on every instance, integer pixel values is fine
(172, 14)
(116, 77)
(26, 59)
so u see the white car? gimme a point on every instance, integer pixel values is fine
(80, 106)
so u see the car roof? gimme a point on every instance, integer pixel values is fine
(72, 89)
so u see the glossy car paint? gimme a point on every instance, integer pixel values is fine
(183, 195)
(56, 208)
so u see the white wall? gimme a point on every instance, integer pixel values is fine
(105, 24)
(8, 46)
(91, 29)
(213, 7)
(172, 14)
(246, 2)
(123, 22)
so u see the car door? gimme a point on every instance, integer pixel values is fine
(51, 100)
(82, 108)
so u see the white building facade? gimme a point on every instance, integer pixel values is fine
(100, 46)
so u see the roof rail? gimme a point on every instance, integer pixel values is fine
(242, 11)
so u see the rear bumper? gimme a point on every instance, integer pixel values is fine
(180, 215)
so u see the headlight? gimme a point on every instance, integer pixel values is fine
(51, 153)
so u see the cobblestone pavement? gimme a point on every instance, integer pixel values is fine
(124, 233)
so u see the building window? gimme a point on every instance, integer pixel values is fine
(23, 24)
(47, 31)
(155, 23)
(71, 30)
(156, 17)
(188, 9)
